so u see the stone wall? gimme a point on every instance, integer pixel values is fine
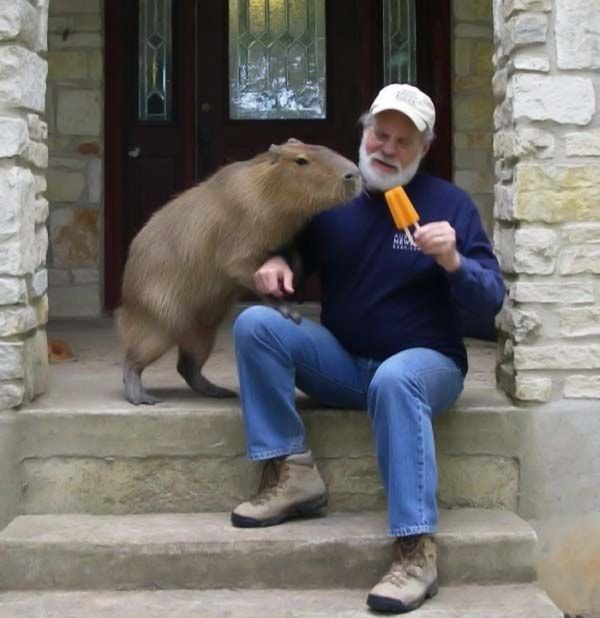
(23, 236)
(75, 127)
(473, 103)
(547, 146)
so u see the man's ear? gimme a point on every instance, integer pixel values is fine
(425, 150)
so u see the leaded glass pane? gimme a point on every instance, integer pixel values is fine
(399, 42)
(155, 60)
(277, 59)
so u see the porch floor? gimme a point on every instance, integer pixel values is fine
(92, 380)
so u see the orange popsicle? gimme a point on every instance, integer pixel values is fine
(403, 212)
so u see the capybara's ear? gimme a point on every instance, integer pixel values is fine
(293, 140)
(275, 152)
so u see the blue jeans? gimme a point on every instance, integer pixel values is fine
(401, 395)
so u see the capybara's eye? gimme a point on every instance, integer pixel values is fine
(301, 160)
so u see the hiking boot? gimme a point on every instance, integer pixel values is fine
(290, 487)
(411, 579)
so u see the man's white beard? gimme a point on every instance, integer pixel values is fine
(382, 181)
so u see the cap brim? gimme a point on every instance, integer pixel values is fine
(405, 109)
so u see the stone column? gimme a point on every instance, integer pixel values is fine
(547, 235)
(23, 209)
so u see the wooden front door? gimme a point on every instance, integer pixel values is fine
(165, 134)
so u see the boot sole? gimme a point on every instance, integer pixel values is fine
(393, 606)
(306, 509)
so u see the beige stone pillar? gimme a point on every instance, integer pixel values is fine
(547, 235)
(23, 210)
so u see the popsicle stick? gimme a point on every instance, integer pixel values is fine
(417, 226)
(410, 238)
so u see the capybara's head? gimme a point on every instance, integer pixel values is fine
(309, 177)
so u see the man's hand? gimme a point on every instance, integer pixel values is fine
(274, 277)
(438, 239)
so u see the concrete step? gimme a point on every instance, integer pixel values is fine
(191, 458)
(514, 601)
(202, 551)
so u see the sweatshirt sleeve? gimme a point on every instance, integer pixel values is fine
(477, 287)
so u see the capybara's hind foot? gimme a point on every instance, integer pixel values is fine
(188, 370)
(134, 390)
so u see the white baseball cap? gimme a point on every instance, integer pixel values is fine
(410, 101)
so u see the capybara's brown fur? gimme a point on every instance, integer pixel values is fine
(195, 255)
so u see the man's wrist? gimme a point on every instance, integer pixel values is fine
(452, 264)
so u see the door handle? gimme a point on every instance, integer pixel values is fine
(135, 152)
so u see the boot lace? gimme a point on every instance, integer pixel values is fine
(410, 560)
(275, 473)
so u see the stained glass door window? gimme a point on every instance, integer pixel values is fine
(155, 60)
(399, 42)
(277, 59)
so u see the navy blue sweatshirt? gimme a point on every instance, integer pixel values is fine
(381, 295)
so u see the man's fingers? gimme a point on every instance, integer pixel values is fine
(288, 277)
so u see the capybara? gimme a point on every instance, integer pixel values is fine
(194, 256)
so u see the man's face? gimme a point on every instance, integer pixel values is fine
(391, 151)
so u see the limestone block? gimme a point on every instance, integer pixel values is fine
(11, 360)
(67, 7)
(95, 181)
(40, 184)
(576, 260)
(581, 233)
(79, 112)
(583, 144)
(18, 19)
(17, 320)
(41, 44)
(58, 277)
(532, 388)
(473, 31)
(525, 29)
(557, 193)
(522, 325)
(41, 209)
(38, 285)
(535, 251)
(74, 236)
(512, 6)
(475, 181)
(472, 10)
(474, 113)
(22, 78)
(564, 99)
(534, 143)
(36, 364)
(74, 40)
(40, 306)
(504, 247)
(557, 356)
(41, 246)
(75, 302)
(571, 293)
(67, 65)
(579, 321)
(504, 202)
(85, 276)
(88, 23)
(96, 66)
(13, 291)
(499, 84)
(65, 186)
(524, 61)
(13, 136)
(11, 394)
(582, 387)
(577, 30)
(36, 154)
(503, 115)
(38, 129)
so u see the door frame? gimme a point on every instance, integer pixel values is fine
(433, 19)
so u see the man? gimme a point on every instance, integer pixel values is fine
(389, 341)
